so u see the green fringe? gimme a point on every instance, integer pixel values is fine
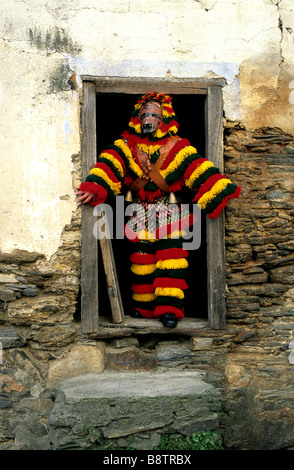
(99, 180)
(168, 300)
(169, 243)
(204, 177)
(174, 273)
(145, 279)
(230, 189)
(148, 305)
(111, 166)
(180, 170)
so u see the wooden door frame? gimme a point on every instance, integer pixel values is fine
(212, 88)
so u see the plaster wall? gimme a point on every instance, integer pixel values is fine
(45, 43)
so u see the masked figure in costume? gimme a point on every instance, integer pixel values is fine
(153, 162)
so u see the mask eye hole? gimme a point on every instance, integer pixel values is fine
(145, 115)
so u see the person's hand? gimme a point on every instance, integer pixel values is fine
(85, 196)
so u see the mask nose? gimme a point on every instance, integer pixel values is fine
(148, 127)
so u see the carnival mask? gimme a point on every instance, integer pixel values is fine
(150, 116)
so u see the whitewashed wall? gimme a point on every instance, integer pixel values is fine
(250, 43)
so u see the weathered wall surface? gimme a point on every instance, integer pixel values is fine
(45, 49)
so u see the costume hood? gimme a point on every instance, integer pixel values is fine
(169, 125)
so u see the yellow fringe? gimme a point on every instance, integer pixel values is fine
(143, 269)
(133, 165)
(145, 235)
(160, 134)
(196, 173)
(175, 234)
(116, 187)
(214, 191)
(180, 263)
(166, 113)
(143, 297)
(137, 127)
(180, 157)
(169, 291)
(152, 148)
(115, 162)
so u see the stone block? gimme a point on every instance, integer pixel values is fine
(112, 406)
(132, 359)
(81, 359)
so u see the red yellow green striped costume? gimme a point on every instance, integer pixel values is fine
(158, 266)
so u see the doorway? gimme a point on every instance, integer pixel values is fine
(113, 112)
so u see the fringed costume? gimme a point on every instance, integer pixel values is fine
(154, 162)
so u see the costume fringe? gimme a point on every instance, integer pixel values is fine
(169, 291)
(128, 154)
(143, 269)
(170, 253)
(118, 164)
(170, 282)
(101, 193)
(142, 258)
(172, 264)
(147, 313)
(162, 309)
(216, 212)
(197, 172)
(114, 186)
(143, 297)
(143, 288)
(215, 190)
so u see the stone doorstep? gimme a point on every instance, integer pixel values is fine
(123, 405)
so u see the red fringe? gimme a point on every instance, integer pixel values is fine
(134, 139)
(219, 208)
(115, 154)
(101, 193)
(165, 127)
(142, 258)
(176, 148)
(128, 180)
(149, 195)
(170, 282)
(193, 166)
(162, 309)
(143, 288)
(171, 253)
(208, 185)
(103, 166)
(177, 185)
(145, 313)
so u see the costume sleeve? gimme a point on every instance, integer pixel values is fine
(105, 179)
(212, 189)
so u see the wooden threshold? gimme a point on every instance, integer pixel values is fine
(141, 326)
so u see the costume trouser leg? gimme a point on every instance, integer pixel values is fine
(170, 273)
(158, 269)
(142, 268)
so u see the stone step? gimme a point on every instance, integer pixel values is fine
(93, 411)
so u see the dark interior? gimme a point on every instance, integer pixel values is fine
(113, 114)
